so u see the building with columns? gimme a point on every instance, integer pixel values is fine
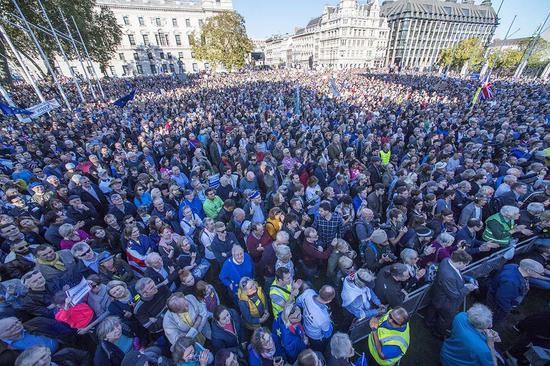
(420, 29)
(155, 35)
(348, 35)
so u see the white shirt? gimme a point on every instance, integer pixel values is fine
(316, 316)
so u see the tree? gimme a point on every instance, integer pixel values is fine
(467, 50)
(540, 54)
(99, 29)
(504, 59)
(223, 41)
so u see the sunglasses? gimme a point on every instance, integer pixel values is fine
(85, 252)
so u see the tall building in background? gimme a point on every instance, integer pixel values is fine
(155, 35)
(420, 29)
(348, 35)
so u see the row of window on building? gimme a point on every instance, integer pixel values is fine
(159, 22)
(151, 56)
(161, 39)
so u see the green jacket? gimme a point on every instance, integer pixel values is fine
(497, 230)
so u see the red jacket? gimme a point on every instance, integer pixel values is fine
(312, 256)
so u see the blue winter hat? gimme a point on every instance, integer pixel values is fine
(253, 194)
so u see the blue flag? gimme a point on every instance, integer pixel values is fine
(12, 111)
(297, 101)
(121, 102)
(361, 361)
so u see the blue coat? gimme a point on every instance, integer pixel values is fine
(290, 341)
(466, 346)
(231, 273)
(224, 339)
(508, 287)
(256, 359)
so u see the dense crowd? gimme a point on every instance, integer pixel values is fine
(215, 220)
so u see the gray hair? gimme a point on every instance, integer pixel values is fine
(480, 316)
(364, 275)
(535, 208)
(340, 346)
(150, 258)
(28, 356)
(445, 238)
(106, 327)
(65, 229)
(407, 254)
(282, 251)
(79, 248)
(238, 211)
(282, 235)
(141, 283)
(509, 211)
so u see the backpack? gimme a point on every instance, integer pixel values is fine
(351, 235)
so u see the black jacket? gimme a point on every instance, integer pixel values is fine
(224, 339)
(389, 290)
(108, 354)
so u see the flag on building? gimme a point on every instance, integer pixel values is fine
(121, 102)
(8, 110)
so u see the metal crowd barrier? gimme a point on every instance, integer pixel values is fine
(418, 298)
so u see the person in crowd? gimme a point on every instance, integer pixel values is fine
(283, 290)
(236, 267)
(55, 265)
(358, 296)
(317, 320)
(314, 255)
(289, 332)
(472, 341)
(222, 244)
(500, 227)
(448, 292)
(113, 342)
(263, 351)
(151, 306)
(377, 251)
(253, 304)
(186, 317)
(510, 286)
(340, 350)
(389, 338)
(187, 352)
(390, 284)
(227, 332)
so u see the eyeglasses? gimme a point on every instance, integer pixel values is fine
(221, 231)
(85, 252)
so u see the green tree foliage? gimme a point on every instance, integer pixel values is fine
(99, 28)
(540, 54)
(505, 59)
(468, 50)
(223, 41)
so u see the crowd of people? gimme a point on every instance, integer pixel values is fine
(218, 221)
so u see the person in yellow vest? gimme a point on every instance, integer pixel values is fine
(385, 154)
(283, 290)
(389, 338)
(252, 303)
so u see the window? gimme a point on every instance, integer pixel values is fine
(187, 22)
(74, 70)
(121, 56)
(169, 55)
(153, 69)
(174, 22)
(126, 20)
(180, 55)
(124, 69)
(189, 38)
(161, 55)
(131, 39)
(167, 43)
(172, 68)
(140, 69)
(157, 39)
(192, 54)
(157, 22)
(164, 68)
(201, 22)
(150, 55)
(140, 20)
(146, 39)
(178, 40)
(195, 67)
(136, 56)
(113, 71)
(182, 67)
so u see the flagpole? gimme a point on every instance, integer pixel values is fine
(8, 99)
(78, 55)
(42, 54)
(63, 54)
(21, 63)
(89, 59)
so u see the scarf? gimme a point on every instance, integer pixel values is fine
(253, 307)
(186, 318)
(56, 263)
(350, 292)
